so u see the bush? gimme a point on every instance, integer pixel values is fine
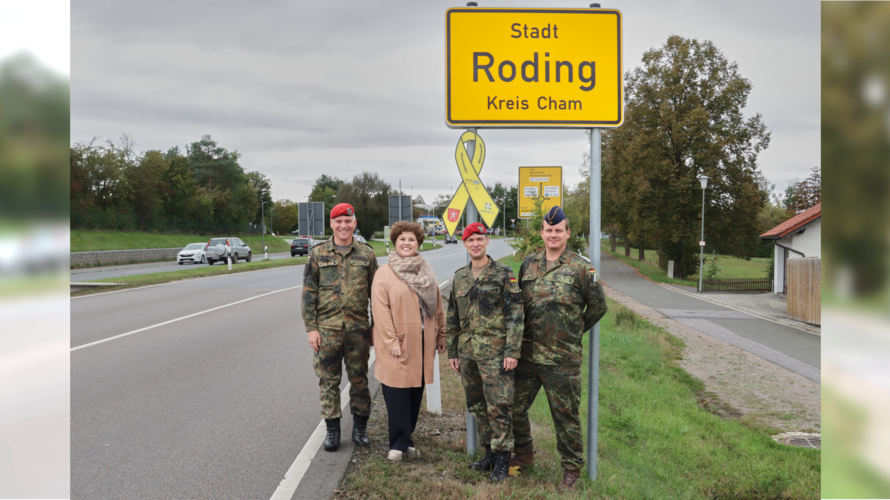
(625, 319)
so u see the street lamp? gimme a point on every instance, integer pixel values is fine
(263, 210)
(701, 257)
(272, 220)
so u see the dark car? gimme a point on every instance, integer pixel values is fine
(450, 239)
(301, 246)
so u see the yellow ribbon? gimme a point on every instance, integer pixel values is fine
(471, 187)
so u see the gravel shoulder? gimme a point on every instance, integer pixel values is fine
(737, 383)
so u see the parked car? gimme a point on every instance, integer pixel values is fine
(301, 246)
(450, 239)
(218, 249)
(359, 238)
(193, 252)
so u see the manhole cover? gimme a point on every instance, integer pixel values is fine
(800, 439)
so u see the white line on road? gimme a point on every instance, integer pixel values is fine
(182, 318)
(297, 470)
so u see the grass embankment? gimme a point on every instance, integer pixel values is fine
(655, 439)
(195, 272)
(729, 267)
(90, 241)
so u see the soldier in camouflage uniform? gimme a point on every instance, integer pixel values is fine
(484, 331)
(336, 289)
(563, 299)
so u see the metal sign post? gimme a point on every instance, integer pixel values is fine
(593, 367)
(472, 439)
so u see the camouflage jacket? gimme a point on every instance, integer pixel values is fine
(336, 288)
(485, 317)
(560, 306)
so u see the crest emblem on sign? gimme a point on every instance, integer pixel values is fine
(453, 214)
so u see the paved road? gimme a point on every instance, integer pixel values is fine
(201, 388)
(98, 273)
(787, 347)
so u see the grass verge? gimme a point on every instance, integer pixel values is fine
(656, 440)
(90, 241)
(198, 272)
(729, 267)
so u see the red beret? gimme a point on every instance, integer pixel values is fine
(342, 209)
(474, 228)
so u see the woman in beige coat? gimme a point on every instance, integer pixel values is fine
(409, 327)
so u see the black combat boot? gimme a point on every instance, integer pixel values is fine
(360, 430)
(487, 461)
(332, 439)
(501, 467)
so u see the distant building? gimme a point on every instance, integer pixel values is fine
(796, 238)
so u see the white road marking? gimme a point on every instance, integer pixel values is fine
(297, 470)
(182, 318)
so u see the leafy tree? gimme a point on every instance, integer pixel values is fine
(369, 195)
(684, 119)
(260, 183)
(211, 163)
(808, 192)
(145, 181)
(286, 217)
(179, 190)
(325, 186)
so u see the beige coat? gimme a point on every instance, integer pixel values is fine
(396, 312)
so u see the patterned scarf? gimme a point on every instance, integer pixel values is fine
(418, 274)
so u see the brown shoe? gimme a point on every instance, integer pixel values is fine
(523, 461)
(569, 478)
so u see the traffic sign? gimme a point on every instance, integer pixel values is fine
(534, 68)
(512, 221)
(539, 183)
(701, 243)
(471, 187)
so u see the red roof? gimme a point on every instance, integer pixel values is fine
(791, 225)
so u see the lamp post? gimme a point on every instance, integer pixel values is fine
(701, 257)
(263, 216)
(272, 220)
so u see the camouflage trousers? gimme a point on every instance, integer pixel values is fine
(337, 347)
(489, 391)
(562, 384)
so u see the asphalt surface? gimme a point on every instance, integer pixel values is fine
(123, 270)
(792, 349)
(202, 388)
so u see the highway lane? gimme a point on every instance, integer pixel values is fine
(217, 405)
(124, 270)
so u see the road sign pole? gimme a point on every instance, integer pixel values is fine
(593, 371)
(471, 218)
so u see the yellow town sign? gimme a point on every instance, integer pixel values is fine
(535, 68)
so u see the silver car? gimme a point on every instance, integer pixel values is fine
(218, 249)
(193, 252)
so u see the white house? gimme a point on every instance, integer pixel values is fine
(796, 238)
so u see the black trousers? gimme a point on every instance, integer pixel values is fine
(402, 407)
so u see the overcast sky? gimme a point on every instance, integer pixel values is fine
(305, 88)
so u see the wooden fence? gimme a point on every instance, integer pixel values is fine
(805, 290)
(738, 285)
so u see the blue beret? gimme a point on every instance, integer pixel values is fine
(555, 216)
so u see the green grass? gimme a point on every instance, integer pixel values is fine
(197, 272)
(655, 439)
(88, 241)
(730, 267)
